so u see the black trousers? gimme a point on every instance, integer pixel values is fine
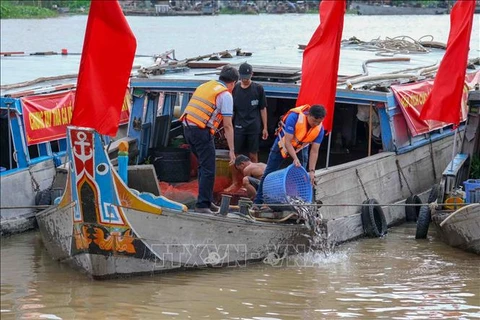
(203, 147)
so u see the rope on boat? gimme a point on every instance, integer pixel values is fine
(25, 207)
(400, 172)
(319, 205)
(396, 45)
(361, 183)
(432, 159)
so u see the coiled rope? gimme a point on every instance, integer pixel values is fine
(396, 45)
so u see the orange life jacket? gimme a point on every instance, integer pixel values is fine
(302, 136)
(202, 109)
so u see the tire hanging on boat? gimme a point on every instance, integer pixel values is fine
(434, 192)
(425, 215)
(373, 219)
(423, 222)
(411, 212)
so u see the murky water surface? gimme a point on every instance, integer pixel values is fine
(273, 39)
(396, 277)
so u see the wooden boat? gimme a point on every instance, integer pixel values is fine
(389, 167)
(457, 217)
(109, 229)
(29, 156)
(109, 226)
(461, 228)
(33, 118)
(113, 224)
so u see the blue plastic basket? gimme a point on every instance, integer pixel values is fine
(471, 185)
(291, 181)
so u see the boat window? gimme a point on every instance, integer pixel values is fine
(33, 151)
(6, 145)
(54, 146)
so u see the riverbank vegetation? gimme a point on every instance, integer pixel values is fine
(23, 9)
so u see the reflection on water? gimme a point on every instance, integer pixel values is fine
(395, 277)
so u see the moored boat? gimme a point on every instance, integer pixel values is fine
(31, 151)
(378, 153)
(457, 221)
(461, 228)
(109, 229)
(33, 118)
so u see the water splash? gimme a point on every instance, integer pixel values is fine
(320, 245)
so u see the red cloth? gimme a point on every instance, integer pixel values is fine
(444, 101)
(321, 59)
(107, 58)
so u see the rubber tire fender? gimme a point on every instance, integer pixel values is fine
(434, 193)
(425, 215)
(373, 219)
(411, 213)
(423, 222)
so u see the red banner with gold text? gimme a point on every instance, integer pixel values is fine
(412, 97)
(46, 116)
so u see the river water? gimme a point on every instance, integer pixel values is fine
(395, 277)
(273, 39)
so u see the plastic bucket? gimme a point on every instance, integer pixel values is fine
(289, 182)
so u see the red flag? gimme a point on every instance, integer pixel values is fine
(321, 58)
(444, 101)
(107, 58)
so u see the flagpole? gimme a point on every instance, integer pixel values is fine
(328, 149)
(454, 148)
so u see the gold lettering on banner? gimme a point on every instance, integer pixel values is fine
(64, 116)
(36, 121)
(414, 100)
(57, 117)
(69, 113)
(47, 117)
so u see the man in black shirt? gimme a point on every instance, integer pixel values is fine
(249, 114)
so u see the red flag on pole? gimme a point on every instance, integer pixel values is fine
(107, 58)
(321, 58)
(444, 101)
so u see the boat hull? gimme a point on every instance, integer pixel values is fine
(387, 177)
(19, 188)
(167, 242)
(462, 230)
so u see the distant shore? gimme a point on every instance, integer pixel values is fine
(10, 9)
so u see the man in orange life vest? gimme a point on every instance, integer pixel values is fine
(211, 103)
(300, 127)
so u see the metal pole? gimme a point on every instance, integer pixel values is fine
(370, 130)
(10, 155)
(454, 149)
(328, 149)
